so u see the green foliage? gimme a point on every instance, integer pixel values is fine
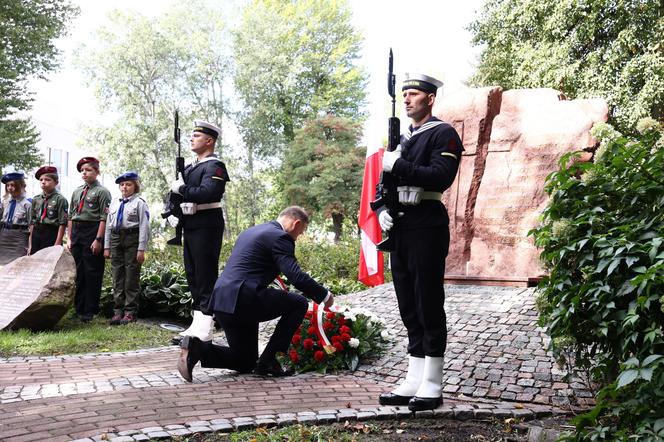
(143, 69)
(333, 265)
(294, 60)
(71, 336)
(28, 31)
(602, 242)
(592, 48)
(323, 169)
(164, 288)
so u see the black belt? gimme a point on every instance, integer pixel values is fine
(13, 226)
(129, 230)
(46, 226)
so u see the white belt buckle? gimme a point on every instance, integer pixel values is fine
(188, 208)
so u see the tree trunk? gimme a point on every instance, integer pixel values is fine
(337, 226)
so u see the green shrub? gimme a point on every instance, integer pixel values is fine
(601, 240)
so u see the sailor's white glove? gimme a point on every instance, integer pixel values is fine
(385, 220)
(389, 158)
(175, 186)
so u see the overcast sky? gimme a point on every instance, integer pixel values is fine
(427, 36)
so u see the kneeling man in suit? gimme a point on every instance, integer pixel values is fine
(242, 299)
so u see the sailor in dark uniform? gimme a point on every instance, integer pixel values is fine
(425, 164)
(202, 188)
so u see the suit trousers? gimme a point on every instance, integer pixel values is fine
(201, 263)
(418, 269)
(241, 329)
(89, 268)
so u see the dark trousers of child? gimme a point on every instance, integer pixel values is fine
(43, 235)
(89, 268)
(126, 271)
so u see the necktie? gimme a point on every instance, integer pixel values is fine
(44, 206)
(10, 214)
(82, 200)
(118, 221)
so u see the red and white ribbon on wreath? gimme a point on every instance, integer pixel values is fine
(316, 321)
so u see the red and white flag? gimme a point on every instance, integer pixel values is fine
(371, 260)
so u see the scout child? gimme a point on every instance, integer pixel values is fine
(15, 211)
(125, 241)
(87, 221)
(49, 212)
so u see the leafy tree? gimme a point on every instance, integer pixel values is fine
(294, 60)
(602, 242)
(323, 169)
(27, 33)
(143, 69)
(607, 48)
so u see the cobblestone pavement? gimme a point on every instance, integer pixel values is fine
(496, 365)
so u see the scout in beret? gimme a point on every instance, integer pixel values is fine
(15, 213)
(202, 187)
(424, 165)
(88, 209)
(125, 241)
(49, 212)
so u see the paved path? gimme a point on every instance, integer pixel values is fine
(496, 365)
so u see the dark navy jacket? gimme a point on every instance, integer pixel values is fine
(260, 254)
(205, 183)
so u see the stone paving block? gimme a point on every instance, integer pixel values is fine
(174, 427)
(128, 433)
(179, 432)
(140, 437)
(326, 418)
(220, 421)
(121, 439)
(200, 429)
(245, 425)
(306, 419)
(158, 435)
(198, 424)
(151, 430)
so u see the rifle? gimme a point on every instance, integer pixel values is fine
(387, 187)
(173, 200)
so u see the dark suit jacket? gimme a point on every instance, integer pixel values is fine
(260, 254)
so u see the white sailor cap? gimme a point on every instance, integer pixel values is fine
(206, 128)
(422, 83)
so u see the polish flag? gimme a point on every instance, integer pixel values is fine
(371, 260)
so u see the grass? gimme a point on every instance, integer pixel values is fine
(71, 336)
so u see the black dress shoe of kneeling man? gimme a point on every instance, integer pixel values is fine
(393, 399)
(272, 368)
(189, 356)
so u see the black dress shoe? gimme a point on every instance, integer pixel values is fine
(189, 356)
(86, 317)
(424, 403)
(393, 399)
(272, 368)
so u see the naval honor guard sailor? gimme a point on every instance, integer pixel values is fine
(202, 187)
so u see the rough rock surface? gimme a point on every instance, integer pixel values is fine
(513, 140)
(37, 290)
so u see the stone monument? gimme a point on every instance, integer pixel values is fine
(36, 291)
(513, 140)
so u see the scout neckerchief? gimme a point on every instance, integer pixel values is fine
(44, 206)
(118, 220)
(10, 214)
(82, 200)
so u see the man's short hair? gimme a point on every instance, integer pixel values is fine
(295, 212)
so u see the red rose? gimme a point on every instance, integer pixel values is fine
(329, 315)
(311, 330)
(294, 356)
(319, 356)
(328, 326)
(345, 337)
(339, 346)
(308, 315)
(308, 344)
(341, 320)
(344, 329)
(335, 338)
(296, 339)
